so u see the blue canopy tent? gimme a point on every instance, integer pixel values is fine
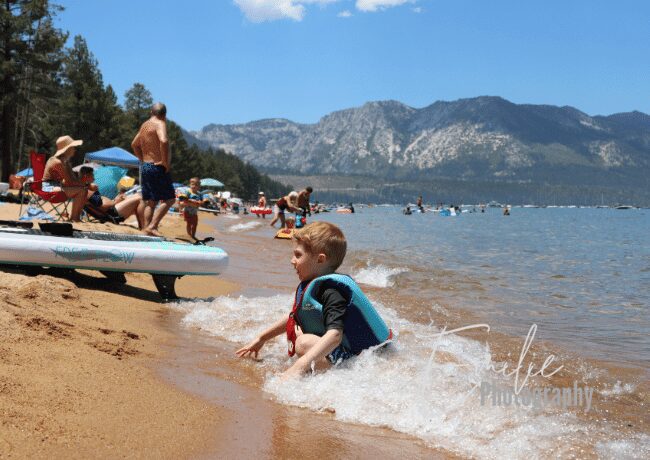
(114, 156)
(114, 160)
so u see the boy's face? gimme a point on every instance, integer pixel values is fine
(307, 265)
(194, 185)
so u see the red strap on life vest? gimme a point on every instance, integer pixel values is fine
(291, 322)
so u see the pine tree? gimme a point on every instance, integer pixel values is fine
(29, 47)
(87, 110)
(137, 103)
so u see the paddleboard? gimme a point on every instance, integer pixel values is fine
(344, 211)
(285, 233)
(111, 252)
(213, 211)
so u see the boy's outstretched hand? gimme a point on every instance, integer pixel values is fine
(251, 349)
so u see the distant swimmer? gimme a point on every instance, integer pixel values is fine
(419, 204)
(506, 211)
(407, 211)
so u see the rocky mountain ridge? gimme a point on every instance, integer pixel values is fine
(484, 138)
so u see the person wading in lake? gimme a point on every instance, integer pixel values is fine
(151, 146)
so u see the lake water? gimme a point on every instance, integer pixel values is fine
(582, 275)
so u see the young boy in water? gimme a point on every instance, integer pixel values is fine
(319, 250)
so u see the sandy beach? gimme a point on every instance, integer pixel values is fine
(75, 368)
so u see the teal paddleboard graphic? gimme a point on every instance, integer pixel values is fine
(82, 254)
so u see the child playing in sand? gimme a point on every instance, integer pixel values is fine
(331, 319)
(191, 202)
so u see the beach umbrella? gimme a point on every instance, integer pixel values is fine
(209, 182)
(27, 172)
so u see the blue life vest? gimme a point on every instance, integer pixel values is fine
(364, 328)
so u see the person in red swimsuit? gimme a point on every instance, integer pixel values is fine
(289, 202)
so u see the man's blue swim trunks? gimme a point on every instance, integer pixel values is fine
(156, 183)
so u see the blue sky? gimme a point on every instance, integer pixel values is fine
(233, 61)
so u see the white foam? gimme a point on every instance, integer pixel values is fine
(637, 447)
(618, 389)
(436, 400)
(244, 226)
(378, 276)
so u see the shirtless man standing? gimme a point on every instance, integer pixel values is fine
(303, 200)
(151, 146)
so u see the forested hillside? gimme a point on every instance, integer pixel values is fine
(50, 89)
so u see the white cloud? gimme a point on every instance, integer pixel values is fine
(272, 10)
(417, 9)
(376, 5)
(344, 14)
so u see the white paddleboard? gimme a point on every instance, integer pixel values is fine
(106, 251)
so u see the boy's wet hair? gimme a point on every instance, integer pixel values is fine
(323, 238)
(196, 179)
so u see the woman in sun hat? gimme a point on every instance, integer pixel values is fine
(59, 176)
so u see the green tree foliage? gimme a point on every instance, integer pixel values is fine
(87, 110)
(29, 54)
(137, 103)
(48, 91)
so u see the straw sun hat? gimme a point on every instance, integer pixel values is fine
(64, 143)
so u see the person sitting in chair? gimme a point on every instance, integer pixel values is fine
(105, 209)
(59, 176)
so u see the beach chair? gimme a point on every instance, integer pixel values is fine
(107, 179)
(54, 204)
(93, 214)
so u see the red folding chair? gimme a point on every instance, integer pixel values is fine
(52, 203)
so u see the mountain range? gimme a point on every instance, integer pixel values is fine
(484, 140)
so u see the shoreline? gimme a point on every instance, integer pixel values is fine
(195, 371)
(101, 370)
(624, 410)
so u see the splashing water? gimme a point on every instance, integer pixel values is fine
(424, 384)
(244, 226)
(378, 276)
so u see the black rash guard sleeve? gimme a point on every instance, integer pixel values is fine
(334, 307)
